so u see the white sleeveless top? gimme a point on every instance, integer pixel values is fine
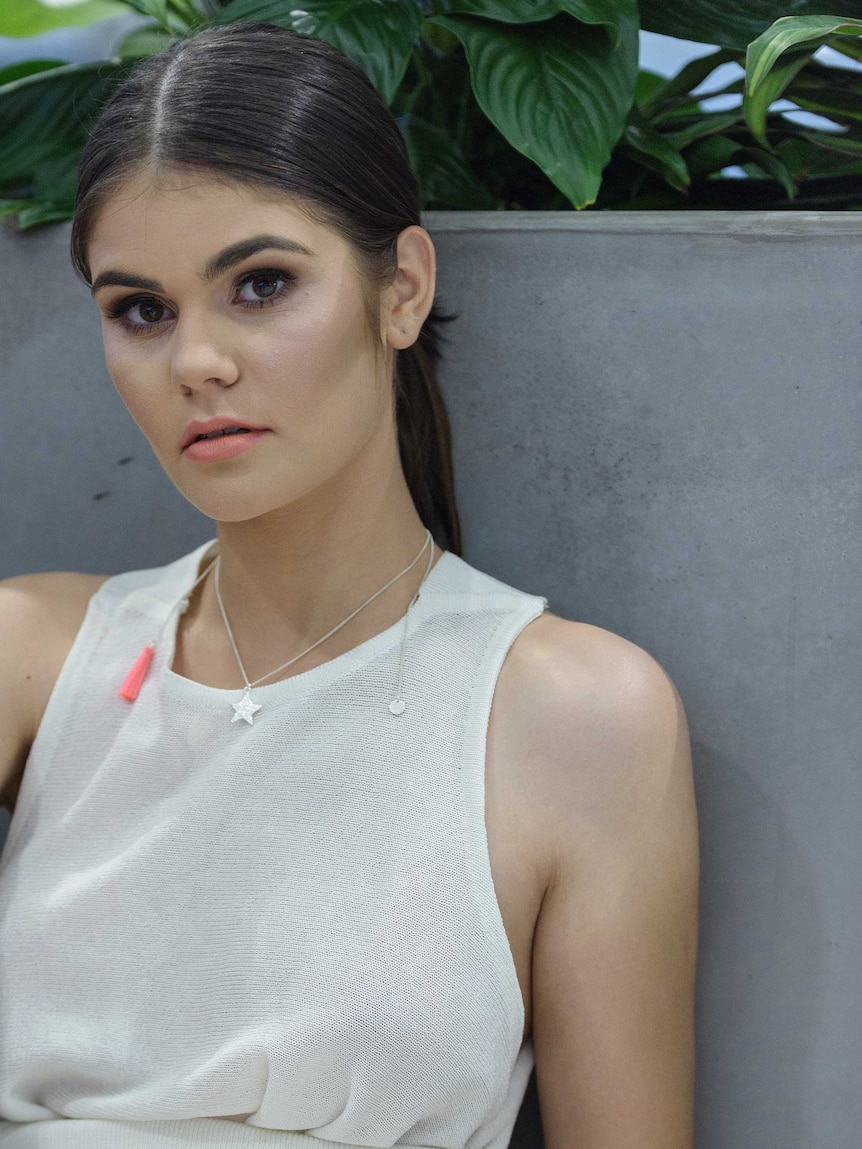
(278, 934)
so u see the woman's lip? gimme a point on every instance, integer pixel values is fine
(222, 447)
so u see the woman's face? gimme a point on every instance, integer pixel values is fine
(272, 337)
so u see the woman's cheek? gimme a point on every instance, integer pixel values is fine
(138, 398)
(117, 359)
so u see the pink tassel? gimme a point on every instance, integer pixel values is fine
(137, 674)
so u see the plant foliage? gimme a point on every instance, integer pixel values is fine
(508, 104)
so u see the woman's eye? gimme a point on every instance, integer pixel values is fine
(149, 314)
(262, 286)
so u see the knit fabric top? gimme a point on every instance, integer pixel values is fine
(279, 934)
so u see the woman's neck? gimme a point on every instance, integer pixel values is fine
(285, 584)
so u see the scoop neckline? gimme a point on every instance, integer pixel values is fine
(305, 681)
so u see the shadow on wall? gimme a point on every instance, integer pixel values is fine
(759, 967)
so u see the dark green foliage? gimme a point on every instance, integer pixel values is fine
(519, 104)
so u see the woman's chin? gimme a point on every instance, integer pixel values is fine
(228, 507)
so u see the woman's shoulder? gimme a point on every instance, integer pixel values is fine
(595, 720)
(49, 605)
(40, 614)
(577, 661)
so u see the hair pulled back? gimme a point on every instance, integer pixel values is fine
(268, 107)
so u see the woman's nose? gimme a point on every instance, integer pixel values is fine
(199, 353)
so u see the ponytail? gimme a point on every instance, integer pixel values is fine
(424, 434)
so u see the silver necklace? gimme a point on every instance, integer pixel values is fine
(246, 708)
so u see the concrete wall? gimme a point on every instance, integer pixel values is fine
(657, 425)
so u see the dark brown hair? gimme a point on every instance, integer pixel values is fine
(265, 106)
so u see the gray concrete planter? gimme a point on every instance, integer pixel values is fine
(657, 422)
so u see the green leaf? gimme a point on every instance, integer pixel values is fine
(21, 18)
(851, 48)
(158, 9)
(786, 33)
(56, 177)
(842, 107)
(614, 14)
(442, 41)
(44, 212)
(702, 125)
(647, 146)
(834, 141)
(808, 160)
(377, 34)
(647, 83)
(679, 87)
(45, 119)
(558, 91)
(729, 23)
(26, 68)
(12, 206)
(176, 16)
(145, 41)
(833, 92)
(775, 58)
(755, 107)
(768, 163)
(443, 171)
(712, 154)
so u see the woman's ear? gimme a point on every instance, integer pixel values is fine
(408, 300)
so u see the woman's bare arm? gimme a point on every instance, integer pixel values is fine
(40, 614)
(616, 942)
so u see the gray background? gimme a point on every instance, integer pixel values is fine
(656, 424)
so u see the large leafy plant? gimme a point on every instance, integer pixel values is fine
(507, 104)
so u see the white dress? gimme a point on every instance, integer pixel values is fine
(277, 934)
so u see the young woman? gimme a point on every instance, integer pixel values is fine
(325, 837)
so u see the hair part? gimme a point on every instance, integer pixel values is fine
(269, 108)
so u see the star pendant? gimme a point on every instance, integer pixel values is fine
(245, 709)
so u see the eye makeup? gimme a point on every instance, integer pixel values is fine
(118, 312)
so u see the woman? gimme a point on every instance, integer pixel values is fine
(325, 836)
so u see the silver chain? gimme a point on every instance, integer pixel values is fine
(250, 685)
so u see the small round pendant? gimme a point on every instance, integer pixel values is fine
(397, 706)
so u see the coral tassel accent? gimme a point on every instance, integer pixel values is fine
(137, 674)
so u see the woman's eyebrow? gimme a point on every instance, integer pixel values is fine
(220, 263)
